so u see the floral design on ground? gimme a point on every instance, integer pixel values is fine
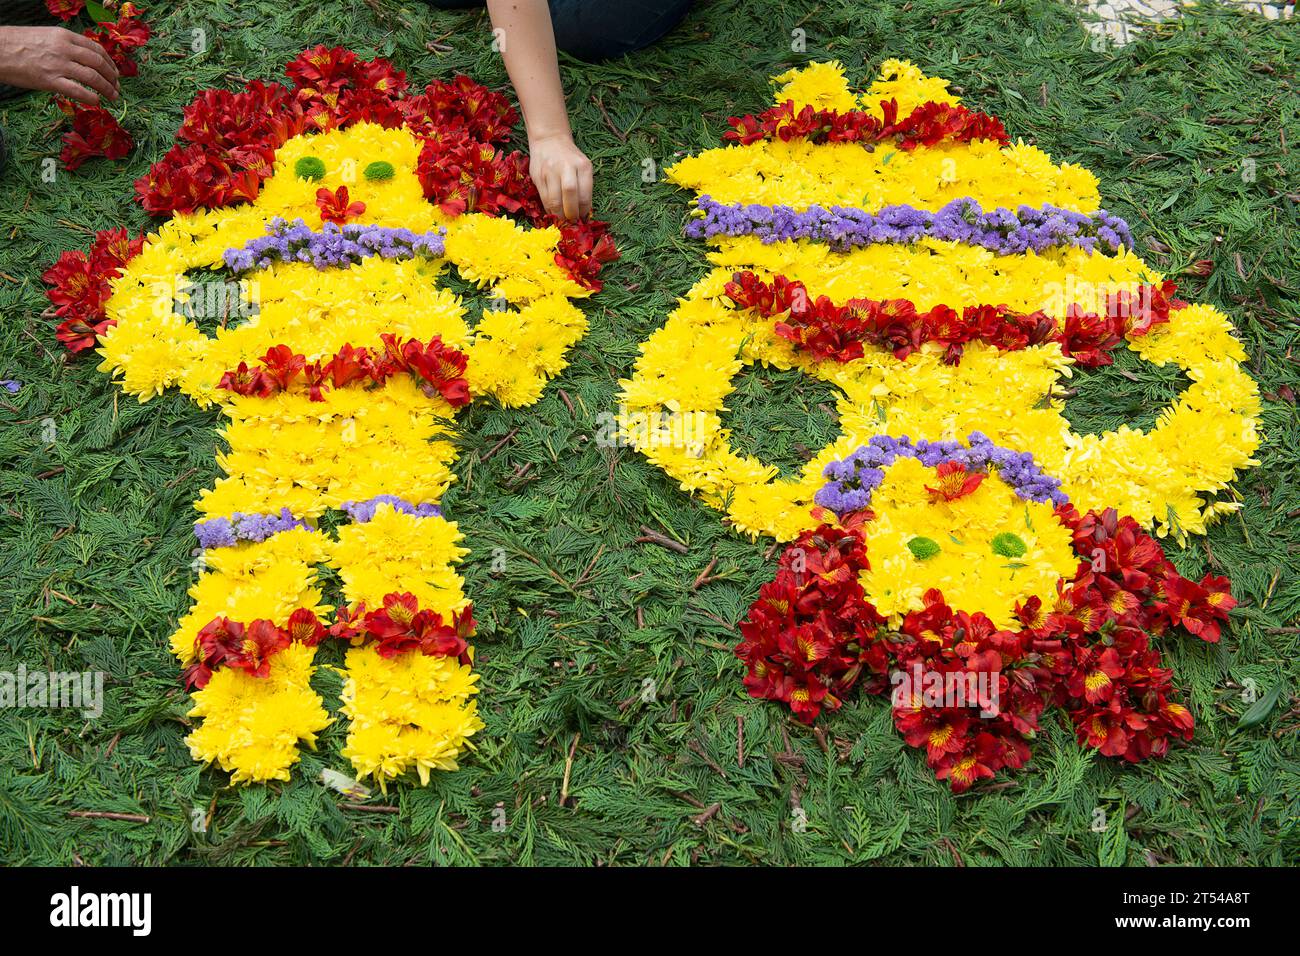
(970, 684)
(337, 206)
(958, 530)
(927, 336)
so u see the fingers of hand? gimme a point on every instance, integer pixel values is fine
(72, 90)
(571, 193)
(544, 181)
(91, 79)
(584, 188)
(89, 53)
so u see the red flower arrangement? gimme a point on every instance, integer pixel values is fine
(440, 367)
(812, 637)
(79, 286)
(927, 125)
(400, 625)
(839, 332)
(227, 143)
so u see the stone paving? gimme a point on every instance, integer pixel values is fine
(1118, 20)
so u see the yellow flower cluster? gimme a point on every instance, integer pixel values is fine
(410, 711)
(252, 726)
(799, 173)
(286, 451)
(971, 575)
(1164, 477)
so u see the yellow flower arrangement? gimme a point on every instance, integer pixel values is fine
(1166, 476)
(303, 455)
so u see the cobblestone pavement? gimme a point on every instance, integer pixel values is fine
(1117, 20)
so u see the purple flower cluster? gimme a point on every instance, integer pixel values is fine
(852, 480)
(333, 246)
(225, 532)
(363, 511)
(845, 227)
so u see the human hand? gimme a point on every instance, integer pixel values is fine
(57, 60)
(562, 174)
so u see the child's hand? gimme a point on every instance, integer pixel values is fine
(562, 174)
(57, 60)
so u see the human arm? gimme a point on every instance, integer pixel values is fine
(560, 170)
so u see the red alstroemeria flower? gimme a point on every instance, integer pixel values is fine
(807, 696)
(65, 10)
(980, 760)
(283, 365)
(249, 381)
(349, 624)
(316, 376)
(1197, 607)
(955, 481)
(214, 643)
(95, 132)
(304, 627)
(435, 638)
(335, 207)
(350, 365)
(1094, 679)
(439, 365)
(262, 640)
(120, 38)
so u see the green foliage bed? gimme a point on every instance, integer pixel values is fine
(95, 542)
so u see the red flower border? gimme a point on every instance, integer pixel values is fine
(829, 331)
(398, 626)
(812, 636)
(439, 366)
(929, 124)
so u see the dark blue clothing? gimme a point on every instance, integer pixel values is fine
(597, 30)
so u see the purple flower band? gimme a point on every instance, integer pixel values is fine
(225, 532)
(845, 227)
(332, 246)
(853, 479)
(363, 511)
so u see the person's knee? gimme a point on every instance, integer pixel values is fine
(597, 30)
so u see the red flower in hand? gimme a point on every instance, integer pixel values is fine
(334, 206)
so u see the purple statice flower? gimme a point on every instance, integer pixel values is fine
(845, 227)
(214, 533)
(332, 246)
(852, 479)
(363, 511)
(10, 385)
(225, 532)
